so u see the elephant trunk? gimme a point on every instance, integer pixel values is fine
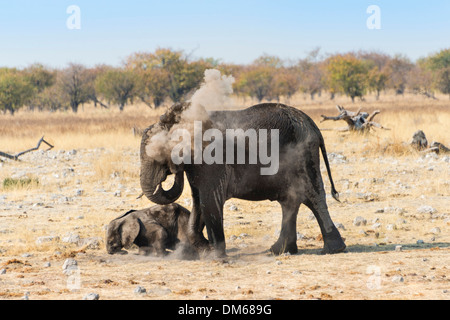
(153, 174)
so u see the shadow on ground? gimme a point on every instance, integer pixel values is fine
(351, 249)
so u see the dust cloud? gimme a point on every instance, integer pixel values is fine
(213, 94)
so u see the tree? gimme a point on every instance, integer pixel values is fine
(153, 86)
(286, 83)
(39, 76)
(75, 85)
(167, 73)
(420, 79)
(52, 99)
(398, 69)
(40, 79)
(257, 81)
(117, 86)
(311, 75)
(439, 64)
(15, 90)
(377, 80)
(91, 76)
(347, 74)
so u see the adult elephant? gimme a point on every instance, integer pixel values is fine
(298, 179)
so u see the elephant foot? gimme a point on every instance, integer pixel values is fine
(333, 242)
(281, 247)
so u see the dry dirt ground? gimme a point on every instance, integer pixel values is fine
(401, 252)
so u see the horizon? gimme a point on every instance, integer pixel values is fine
(231, 32)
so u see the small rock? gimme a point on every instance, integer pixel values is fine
(2, 271)
(27, 255)
(71, 238)
(391, 227)
(362, 232)
(69, 266)
(420, 241)
(90, 243)
(398, 248)
(435, 230)
(426, 209)
(358, 221)
(339, 226)
(300, 236)
(397, 278)
(376, 225)
(47, 265)
(117, 193)
(41, 240)
(91, 296)
(232, 207)
(139, 290)
(79, 192)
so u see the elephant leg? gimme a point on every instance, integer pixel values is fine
(196, 224)
(333, 242)
(212, 213)
(287, 241)
(160, 242)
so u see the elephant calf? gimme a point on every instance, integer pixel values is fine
(153, 230)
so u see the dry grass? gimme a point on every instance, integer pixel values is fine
(96, 128)
(114, 164)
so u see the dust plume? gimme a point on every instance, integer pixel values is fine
(213, 94)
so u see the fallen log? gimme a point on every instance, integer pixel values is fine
(356, 121)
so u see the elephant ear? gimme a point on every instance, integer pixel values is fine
(129, 231)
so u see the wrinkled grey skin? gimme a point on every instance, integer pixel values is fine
(297, 182)
(153, 230)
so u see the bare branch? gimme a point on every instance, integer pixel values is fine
(373, 115)
(16, 157)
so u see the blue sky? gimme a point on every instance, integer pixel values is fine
(232, 31)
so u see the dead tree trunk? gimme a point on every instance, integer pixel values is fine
(356, 121)
(16, 156)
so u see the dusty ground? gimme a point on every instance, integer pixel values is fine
(404, 197)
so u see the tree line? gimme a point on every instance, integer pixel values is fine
(170, 75)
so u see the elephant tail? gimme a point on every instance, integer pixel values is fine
(334, 193)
